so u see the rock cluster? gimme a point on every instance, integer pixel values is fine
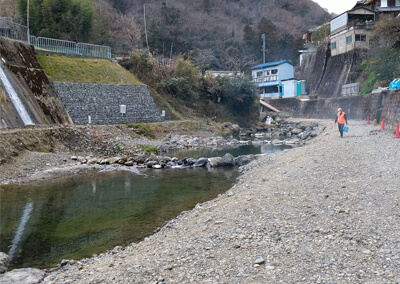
(294, 133)
(158, 162)
(4, 258)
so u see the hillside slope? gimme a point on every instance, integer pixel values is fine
(220, 32)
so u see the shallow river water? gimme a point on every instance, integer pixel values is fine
(44, 222)
(71, 218)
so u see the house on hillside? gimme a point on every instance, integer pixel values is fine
(351, 30)
(274, 78)
(391, 7)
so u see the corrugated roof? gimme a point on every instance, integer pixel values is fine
(271, 64)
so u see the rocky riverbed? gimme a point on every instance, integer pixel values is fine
(48, 152)
(328, 212)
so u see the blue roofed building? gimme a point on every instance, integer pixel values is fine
(270, 76)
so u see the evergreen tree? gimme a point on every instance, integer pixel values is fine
(61, 19)
(268, 28)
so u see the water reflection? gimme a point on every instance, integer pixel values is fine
(79, 216)
(20, 230)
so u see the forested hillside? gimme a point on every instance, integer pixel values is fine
(217, 34)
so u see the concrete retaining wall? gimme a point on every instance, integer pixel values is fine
(102, 102)
(385, 105)
(325, 75)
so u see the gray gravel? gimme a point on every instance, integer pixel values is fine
(328, 212)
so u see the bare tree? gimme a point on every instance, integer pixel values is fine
(8, 9)
(387, 32)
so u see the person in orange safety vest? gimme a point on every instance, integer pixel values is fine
(341, 119)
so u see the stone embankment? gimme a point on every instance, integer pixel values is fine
(328, 212)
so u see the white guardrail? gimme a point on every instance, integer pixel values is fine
(19, 32)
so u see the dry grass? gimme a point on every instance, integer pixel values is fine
(85, 70)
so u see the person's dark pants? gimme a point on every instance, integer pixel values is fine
(341, 127)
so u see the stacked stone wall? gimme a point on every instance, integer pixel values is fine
(102, 103)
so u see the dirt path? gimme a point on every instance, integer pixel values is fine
(328, 212)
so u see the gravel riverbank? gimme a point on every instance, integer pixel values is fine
(328, 212)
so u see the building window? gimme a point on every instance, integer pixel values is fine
(259, 76)
(397, 2)
(270, 75)
(271, 72)
(349, 39)
(361, 37)
(333, 45)
(271, 89)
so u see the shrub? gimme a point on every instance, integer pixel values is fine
(141, 129)
(149, 148)
(380, 69)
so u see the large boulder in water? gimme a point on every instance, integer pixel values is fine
(243, 160)
(215, 162)
(201, 162)
(140, 159)
(228, 160)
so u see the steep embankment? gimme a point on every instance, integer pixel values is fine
(313, 68)
(30, 82)
(385, 105)
(326, 74)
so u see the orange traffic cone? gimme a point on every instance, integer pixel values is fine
(308, 116)
(397, 131)
(383, 124)
(368, 119)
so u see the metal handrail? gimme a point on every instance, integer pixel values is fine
(19, 32)
(13, 30)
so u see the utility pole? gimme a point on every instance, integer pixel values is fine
(170, 55)
(263, 38)
(145, 29)
(27, 22)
